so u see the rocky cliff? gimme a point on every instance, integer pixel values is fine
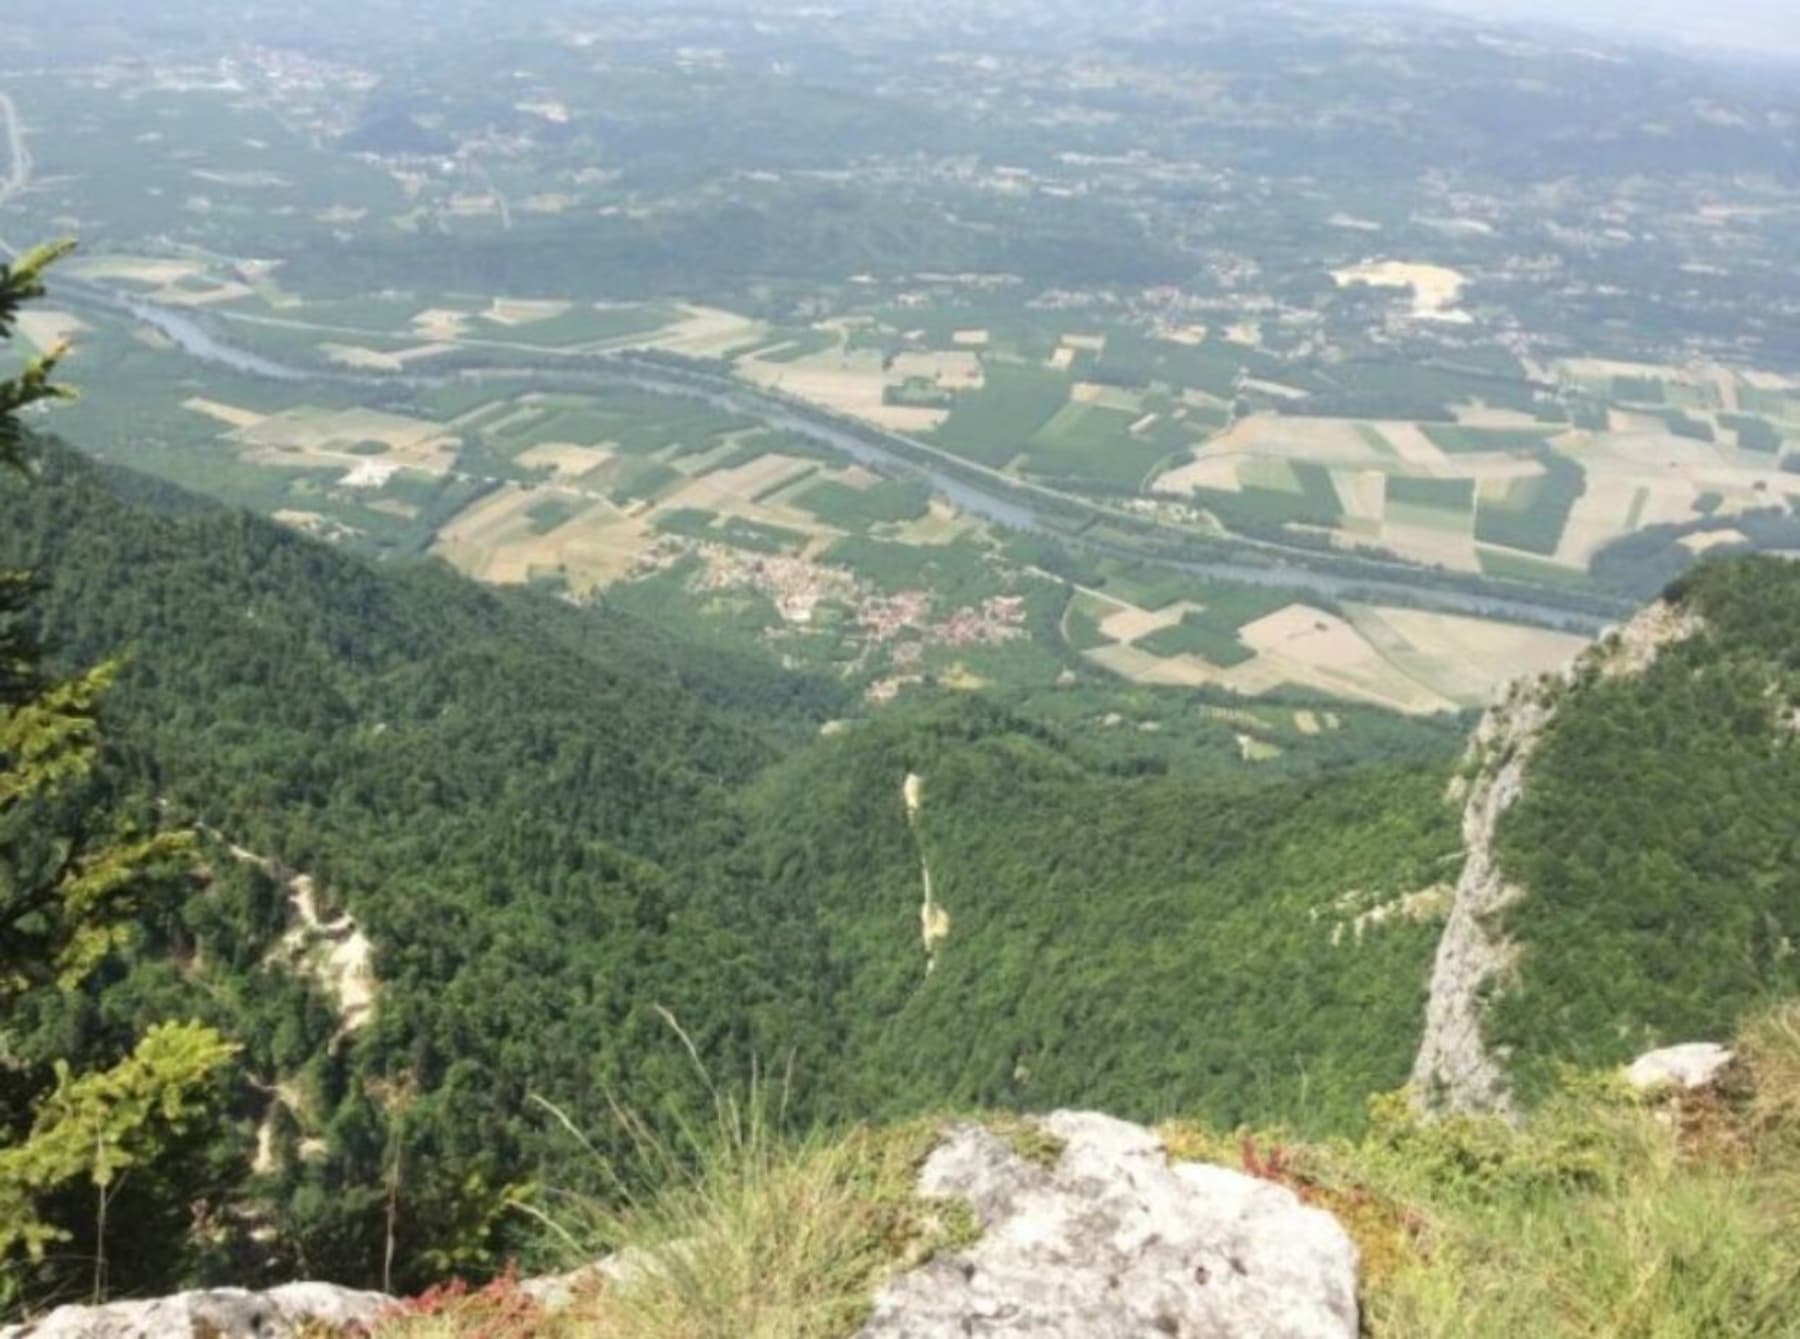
(1455, 1070)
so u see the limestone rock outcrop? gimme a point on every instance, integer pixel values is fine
(217, 1313)
(1454, 1070)
(1696, 1064)
(1113, 1241)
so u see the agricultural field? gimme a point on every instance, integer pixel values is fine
(405, 288)
(1257, 643)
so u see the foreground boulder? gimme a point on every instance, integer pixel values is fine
(1112, 1241)
(1696, 1064)
(218, 1313)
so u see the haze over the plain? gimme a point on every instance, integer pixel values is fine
(1767, 26)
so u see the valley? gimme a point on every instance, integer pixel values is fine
(647, 652)
(1429, 438)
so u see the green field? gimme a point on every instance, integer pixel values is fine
(1533, 513)
(997, 422)
(848, 508)
(1445, 495)
(1196, 635)
(1086, 441)
(1454, 439)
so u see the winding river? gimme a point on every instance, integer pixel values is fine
(202, 342)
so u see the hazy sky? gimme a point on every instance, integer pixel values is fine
(1752, 24)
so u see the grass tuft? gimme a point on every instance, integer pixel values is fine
(1610, 1213)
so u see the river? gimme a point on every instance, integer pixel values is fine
(198, 341)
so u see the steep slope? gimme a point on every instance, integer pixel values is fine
(534, 827)
(1142, 944)
(1632, 829)
(517, 804)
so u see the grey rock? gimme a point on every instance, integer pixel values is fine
(1693, 1065)
(218, 1313)
(558, 1292)
(1454, 1069)
(1115, 1242)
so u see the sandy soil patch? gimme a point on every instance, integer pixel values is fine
(737, 486)
(1335, 443)
(252, 179)
(1298, 646)
(1205, 471)
(567, 459)
(959, 371)
(47, 328)
(1277, 389)
(1306, 722)
(549, 109)
(1131, 623)
(1105, 397)
(1469, 660)
(970, 339)
(230, 415)
(306, 435)
(441, 323)
(1435, 288)
(1317, 649)
(1085, 343)
(314, 523)
(392, 506)
(1605, 369)
(548, 202)
(153, 272)
(355, 355)
(1128, 662)
(1431, 545)
(1768, 381)
(1363, 494)
(941, 524)
(473, 204)
(335, 215)
(378, 360)
(704, 332)
(961, 678)
(851, 383)
(1421, 454)
(493, 541)
(211, 297)
(1252, 749)
(1707, 540)
(524, 311)
(1063, 359)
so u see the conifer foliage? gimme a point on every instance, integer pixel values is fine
(74, 881)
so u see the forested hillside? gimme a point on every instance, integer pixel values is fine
(549, 825)
(1145, 945)
(489, 797)
(1658, 837)
(553, 824)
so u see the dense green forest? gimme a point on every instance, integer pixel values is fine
(1658, 837)
(553, 824)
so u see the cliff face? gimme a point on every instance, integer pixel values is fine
(1454, 1069)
